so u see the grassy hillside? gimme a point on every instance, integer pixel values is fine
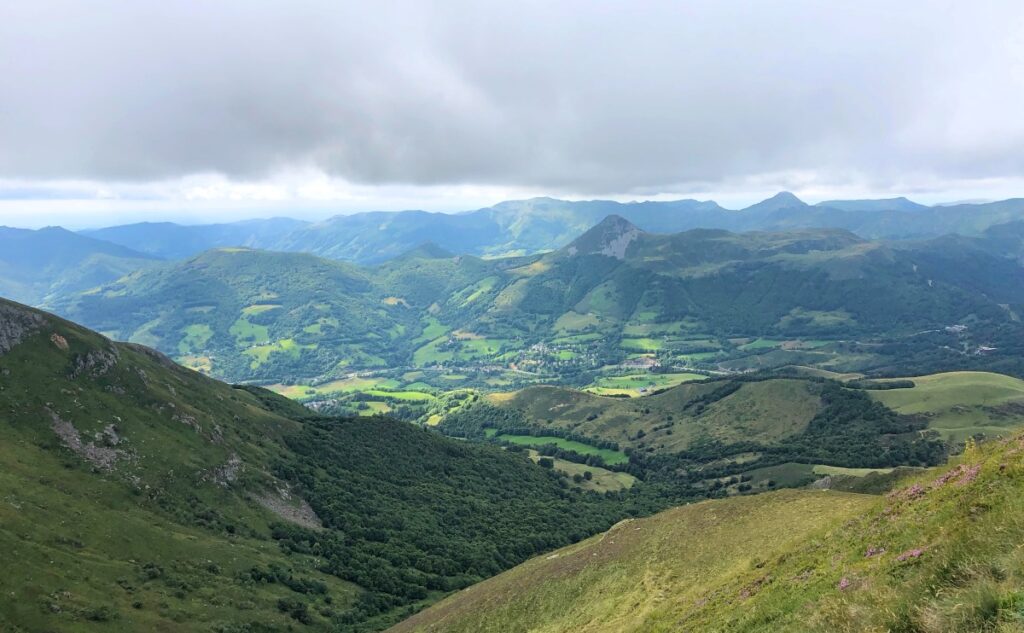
(718, 437)
(939, 554)
(139, 495)
(962, 404)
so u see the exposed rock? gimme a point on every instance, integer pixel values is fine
(16, 323)
(290, 507)
(825, 483)
(188, 420)
(108, 436)
(95, 363)
(99, 456)
(59, 341)
(227, 474)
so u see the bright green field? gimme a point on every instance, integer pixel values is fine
(961, 404)
(761, 343)
(630, 384)
(411, 396)
(609, 456)
(197, 336)
(642, 344)
(249, 333)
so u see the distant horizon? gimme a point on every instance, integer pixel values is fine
(85, 220)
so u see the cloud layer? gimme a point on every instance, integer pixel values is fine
(577, 96)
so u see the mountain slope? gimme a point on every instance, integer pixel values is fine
(36, 265)
(613, 292)
(139, 495)
(938, 555)
(703, 433)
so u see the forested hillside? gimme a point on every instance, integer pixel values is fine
(939, 553)
(704, 299)
(142, 495)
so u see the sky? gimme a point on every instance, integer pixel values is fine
(200, 111)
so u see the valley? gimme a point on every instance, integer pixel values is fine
(406, 438)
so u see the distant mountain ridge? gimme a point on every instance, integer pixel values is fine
(520, 227)
(35, 265)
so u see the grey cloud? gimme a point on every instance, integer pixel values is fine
(569, 96)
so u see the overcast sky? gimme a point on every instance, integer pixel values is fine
(188, 110)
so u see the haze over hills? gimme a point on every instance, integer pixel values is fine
(38, 265)
(543, 224)
(249, 314)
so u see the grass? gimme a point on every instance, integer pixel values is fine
(261, 353)
(430, 354)
(259, 308)
(765, 411)
(961, 404)
(822, 469)
(642, 344)
(247, 333)
(943, 556)
(761, 343)
(574, 321)
(344, 385)
(196, 337)
(641, 575)
(609, 456)
(631, 384)
(410, 396)
(602, 479)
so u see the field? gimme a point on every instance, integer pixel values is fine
(609, 456)
(261, 353)
(344, 385)
(852, 472)
(196, 337)
(603, 480)
(642, 344)
(631, 384)
(961, 404)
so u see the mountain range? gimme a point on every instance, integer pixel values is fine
(543, 224)
(615, 290)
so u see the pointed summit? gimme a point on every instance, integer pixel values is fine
(781, 200)
(611, 237)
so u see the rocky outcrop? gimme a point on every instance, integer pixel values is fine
(100, 453)
(17, 323)
(226, 474)
(290, 507)
(95, 363)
